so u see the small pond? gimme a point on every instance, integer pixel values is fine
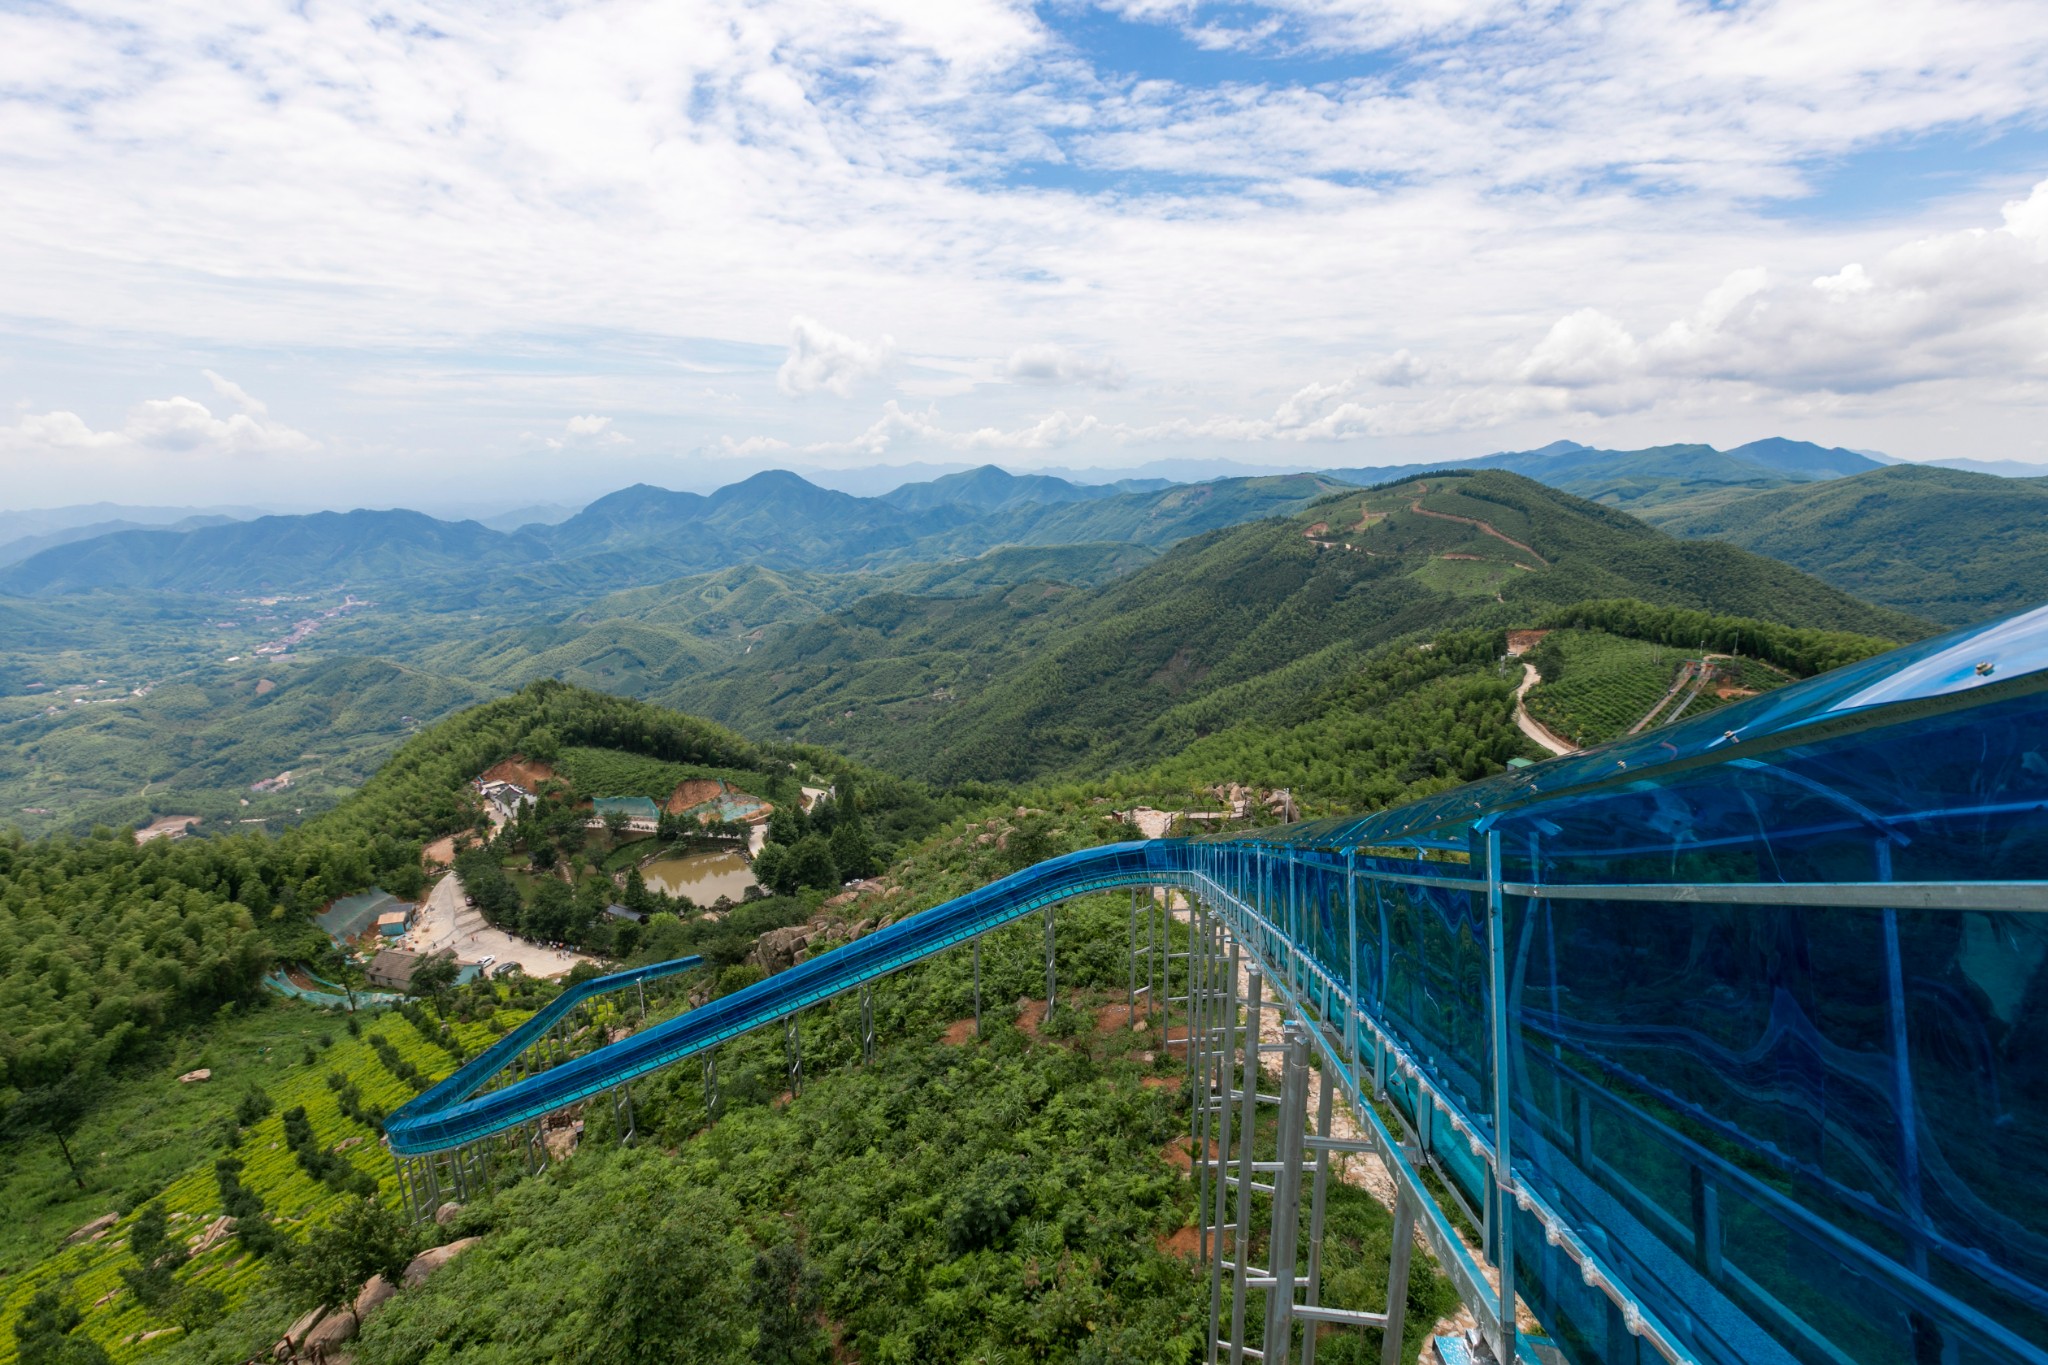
(703, 877)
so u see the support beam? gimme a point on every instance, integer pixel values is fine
(977, 987)
(1283, 1241)
(711, 1084)
(867, 1025)
(793, 1050)
(1049, 996)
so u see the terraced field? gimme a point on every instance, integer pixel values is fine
(284, 1057)
(1599, 684)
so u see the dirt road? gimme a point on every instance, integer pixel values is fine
(1527, 723)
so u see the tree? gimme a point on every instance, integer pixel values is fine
(853, 848)
(433, 977)
(665, 1295)
(44, 1334)
(364, 1239)
(782, 1292)
(615, 823)
(810, 862)
(773, 870)
(786, 824)
(157, 1258)
(56, 1109)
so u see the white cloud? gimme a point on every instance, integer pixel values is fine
(1528, 204)
(1046, 363)
(820, 358)
(170, 426)
(585, 431)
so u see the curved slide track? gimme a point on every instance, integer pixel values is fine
(1730, 1038)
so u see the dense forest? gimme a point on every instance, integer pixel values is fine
(1015, 1194)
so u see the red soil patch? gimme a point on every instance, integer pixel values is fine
(1180, 1154)
(264, 687)
(1114, 1017)
(958, 1032)
(1473, 558)
(694, 792)
(1030, 1014)
(1321, 528)
(1520, 642)
(1161, 1082)
(440, 853)
(1729, 693)
(781, 1101)
(1186, 1242)
(1177, 1038)
(517, 769)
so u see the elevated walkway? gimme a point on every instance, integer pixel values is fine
(1731, 1037)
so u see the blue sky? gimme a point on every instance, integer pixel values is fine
(425, 251)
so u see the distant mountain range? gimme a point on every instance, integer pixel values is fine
(645, 534)
(1659, 483)
(779, 521)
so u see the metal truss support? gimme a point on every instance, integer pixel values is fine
(977, 986)
(793, 1050)
(711, 1084)
(640, 989)
(1245, 1094)
(867, 1025)
(622, 1113)
(1049, 996)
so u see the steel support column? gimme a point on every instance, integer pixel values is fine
(792, 1045)
(867, 1025)
(711, 1084)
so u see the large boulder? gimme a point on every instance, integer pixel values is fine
(96, 1229)
(373, 1296)
(433, 1258)
(328, 1336)
(780, 949)
(295, 1335)
(446, 1213)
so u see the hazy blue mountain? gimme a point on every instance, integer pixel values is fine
(643, 535)
(267, 554)
(992, 490)
(14, 551)
(1657, 483)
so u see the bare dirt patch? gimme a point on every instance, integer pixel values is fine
(1030, 1014)
(1180, 1153)
(958, 1033)
(1321, 528)
(1109, 1017)
(440, 853)
(694, 792)
(518, 769)
(1177, 1040)
(264, 687)
(1161, 1082)
(1186, 1242)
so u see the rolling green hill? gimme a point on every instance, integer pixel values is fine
(1052, 680)
(1946, 544)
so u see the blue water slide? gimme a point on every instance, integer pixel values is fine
(1731, 1037)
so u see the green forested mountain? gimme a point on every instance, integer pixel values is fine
(644, 535)
(1048, 679)
(1945, 544)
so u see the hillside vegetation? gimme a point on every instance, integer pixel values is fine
(1949, 545)
(1047, 680)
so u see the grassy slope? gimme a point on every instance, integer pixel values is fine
(1946, 544)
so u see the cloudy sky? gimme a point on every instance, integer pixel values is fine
(322, 251)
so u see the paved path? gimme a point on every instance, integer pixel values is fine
(446, 922)
(1528, 724)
